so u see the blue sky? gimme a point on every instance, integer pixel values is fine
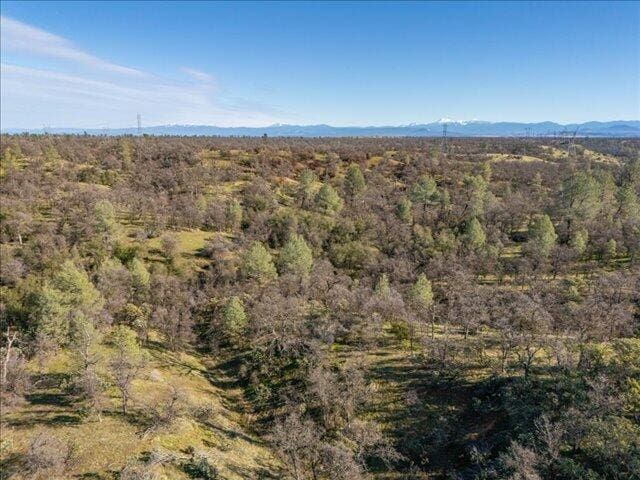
(97, 65)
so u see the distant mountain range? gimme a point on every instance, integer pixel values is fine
(455, 128)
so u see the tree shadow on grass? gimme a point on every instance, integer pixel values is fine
(58, 420)
(224, 375)
(259, 473)
(10, 465)
(169, 358)
(232, 434)
(58, 399)
(420, 409)
(51, 408)
(92, 476)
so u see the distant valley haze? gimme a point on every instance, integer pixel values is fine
(454, 128)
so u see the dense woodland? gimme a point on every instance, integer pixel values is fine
(184, 307)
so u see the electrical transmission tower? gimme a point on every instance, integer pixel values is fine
(139, 124)
(443, 145)
(571, 149)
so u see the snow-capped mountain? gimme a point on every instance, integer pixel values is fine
(455, 128)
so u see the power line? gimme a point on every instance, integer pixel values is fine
(139, 125)
(443, 145)
(571, 150)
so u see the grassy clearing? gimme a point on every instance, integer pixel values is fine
(374, 161)
(190, 245)
(506, 157)
(601, 157)
(512, 251)
(104, 445)
(190, 242)
(561, 154)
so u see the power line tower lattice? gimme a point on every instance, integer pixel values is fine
(571, 149)
(443, 144)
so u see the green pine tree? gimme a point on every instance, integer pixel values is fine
(235, 319)
(474, 236)
(421, 293)
(580, 199)
(105, 217)
(542, 235)
(139, 274)
(479, 189)
(53, 304)
(304, 193)
(328, 199)
(629, 204)
(258, 264)
(405, 210)
(424, 190)
(78, 291)
(48, 312)
(354, 180)
(234, 215)
(579, 241)
(296, 256)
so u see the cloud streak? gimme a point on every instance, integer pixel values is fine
(20, 37)
(104, 93)
(198, 75)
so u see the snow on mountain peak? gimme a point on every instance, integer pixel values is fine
(459, 122)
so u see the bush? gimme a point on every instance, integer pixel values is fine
(48, 455)
(137, 471)
(201, 467)
(17, 380)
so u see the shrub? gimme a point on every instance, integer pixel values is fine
(201, 467)
(48, 455)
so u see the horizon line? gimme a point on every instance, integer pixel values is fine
(440, 121)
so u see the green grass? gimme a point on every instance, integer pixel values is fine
(105, 445)
(505, 157)
(190, 242)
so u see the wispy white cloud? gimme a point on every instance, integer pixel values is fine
(20, 37)
(198, 75)
(69, 100)
(103, 93)
(47, 81)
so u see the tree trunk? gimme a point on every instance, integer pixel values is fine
(7, 355)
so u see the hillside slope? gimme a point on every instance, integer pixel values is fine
(209, 422)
